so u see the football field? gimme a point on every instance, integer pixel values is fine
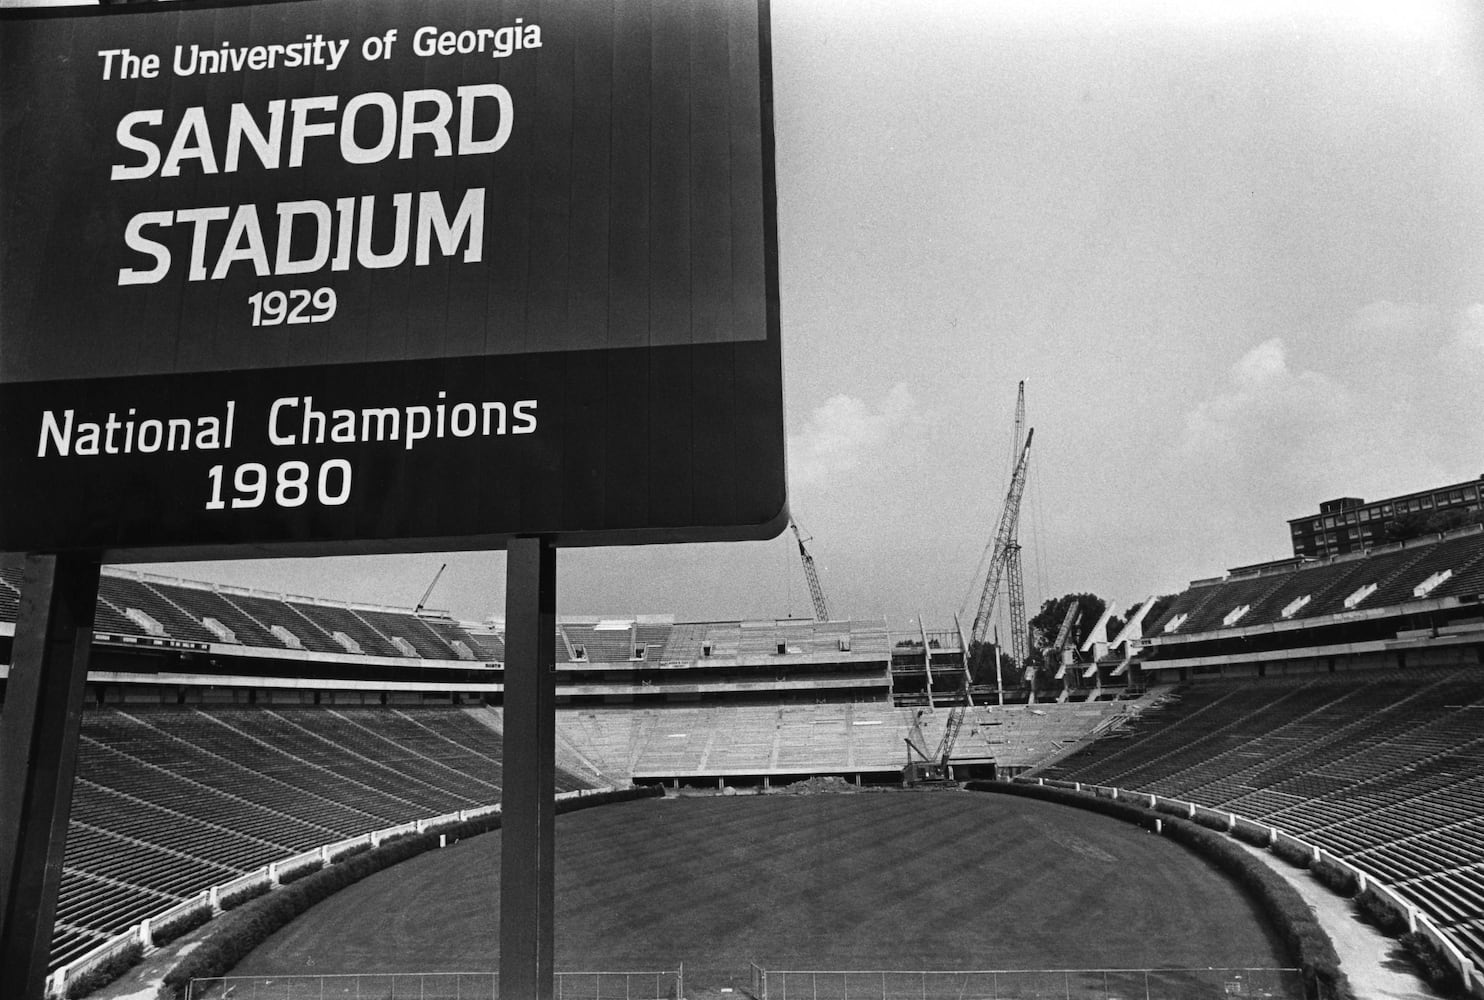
(909, 880)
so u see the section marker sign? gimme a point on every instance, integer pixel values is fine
(341, 276)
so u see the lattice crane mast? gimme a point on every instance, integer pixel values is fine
(1004, 563)
(950, 734)
(816, 592)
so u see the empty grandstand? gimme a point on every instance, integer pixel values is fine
(1417, 603)
(1340, 701)
(228, 729)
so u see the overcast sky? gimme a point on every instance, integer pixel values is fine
(1237, 252)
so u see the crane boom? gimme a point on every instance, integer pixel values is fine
(816, 592)
(422, 602)
(950, 733)
(1006, 553)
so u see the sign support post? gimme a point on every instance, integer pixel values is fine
(38, 756)
(528, 802)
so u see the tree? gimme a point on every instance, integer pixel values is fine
(1047, 622)
(1414, 524)
(981, 665)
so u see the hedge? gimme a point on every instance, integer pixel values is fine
(1433, 964)
(1252, 833)
(1381, 913)
(287, 876)
(356, 847)
(105, 973)
(165, 931)
(1282, 904)
(1340, 881)
(1212, 821)
(236, 897)
(1293, 852)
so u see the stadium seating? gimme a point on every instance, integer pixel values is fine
(169, 801)
(1395, 570)
(137, 604)
(1385, 770)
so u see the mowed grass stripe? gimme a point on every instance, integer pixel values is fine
(897, 881)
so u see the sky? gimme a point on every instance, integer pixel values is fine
(1236, 252)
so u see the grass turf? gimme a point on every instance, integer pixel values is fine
(868, 881)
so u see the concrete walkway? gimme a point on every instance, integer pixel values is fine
(1376, 965)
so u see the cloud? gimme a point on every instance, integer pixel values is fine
(845, 431)
(1267, 413)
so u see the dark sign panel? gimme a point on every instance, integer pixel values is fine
(361, 275)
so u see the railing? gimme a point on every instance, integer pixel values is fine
(1025, 984)
(141, 934)
(665, 985)
(1417, 920)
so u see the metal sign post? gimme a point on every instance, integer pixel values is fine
(528, 805)
(38, 755)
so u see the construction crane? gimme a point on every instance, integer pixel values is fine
(928, 768)
(1004, 562)
(932, 768)
(816, 592)
(423, 601)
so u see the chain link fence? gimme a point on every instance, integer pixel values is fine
(667, 985)
(1027, 984)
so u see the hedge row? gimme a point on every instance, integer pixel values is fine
(1381, 913)
(242, 930)
(1296, 854)
(1212, 821)
(107, 972)
(165, 931)
(1287, 910)
(1252, 833)
(1340, 881)
(1433, 964)
(236, 897)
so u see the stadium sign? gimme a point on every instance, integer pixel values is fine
(332, 276)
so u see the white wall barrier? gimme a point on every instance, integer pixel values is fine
(1417, 920)
(210, 899)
